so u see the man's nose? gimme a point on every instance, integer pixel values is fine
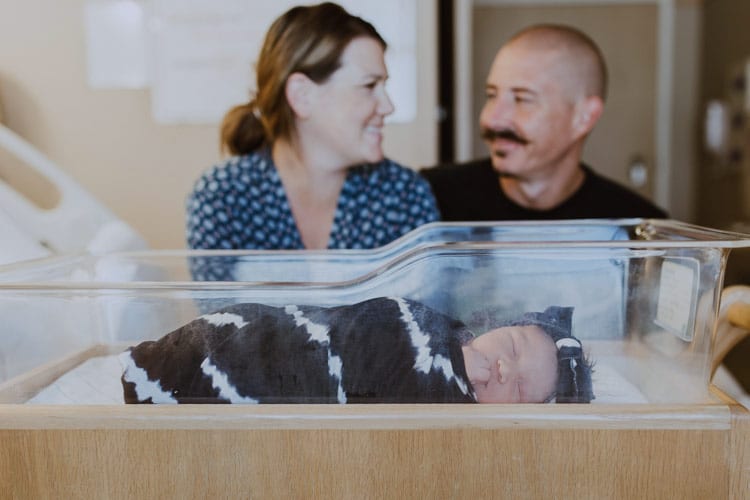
(497, 111)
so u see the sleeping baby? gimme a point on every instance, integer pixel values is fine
(383, 350)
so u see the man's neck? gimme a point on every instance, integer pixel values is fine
(544, 192)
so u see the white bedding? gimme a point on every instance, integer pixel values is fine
(97, 381)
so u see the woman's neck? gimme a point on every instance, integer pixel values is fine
(312, 191)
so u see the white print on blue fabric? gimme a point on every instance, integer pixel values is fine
(241, 204)
(424, 361)
(220, 382)
(144, 387)
(320, 333)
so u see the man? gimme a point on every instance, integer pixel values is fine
(545, 92)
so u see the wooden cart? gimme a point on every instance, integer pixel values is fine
(380, 451)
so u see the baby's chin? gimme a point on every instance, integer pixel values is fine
(484, 396)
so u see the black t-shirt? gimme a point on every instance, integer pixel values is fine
(471, 191)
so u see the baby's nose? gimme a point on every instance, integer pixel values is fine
(504, 370)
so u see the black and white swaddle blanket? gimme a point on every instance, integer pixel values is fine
(384, 350)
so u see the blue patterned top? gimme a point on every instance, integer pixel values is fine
(241, 204)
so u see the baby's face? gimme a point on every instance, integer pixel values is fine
(522, 365)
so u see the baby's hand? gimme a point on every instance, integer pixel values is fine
(477, 366)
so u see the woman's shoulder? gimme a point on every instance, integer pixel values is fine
(245, 169)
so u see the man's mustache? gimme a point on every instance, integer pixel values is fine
(505, 133)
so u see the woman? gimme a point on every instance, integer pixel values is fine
(308, 169)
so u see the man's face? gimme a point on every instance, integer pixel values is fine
(528, 119)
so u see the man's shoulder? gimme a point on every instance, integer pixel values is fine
(618, 199)
(465, 191)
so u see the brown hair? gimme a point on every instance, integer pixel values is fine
(308, 40)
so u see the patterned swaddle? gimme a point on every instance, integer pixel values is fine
(384, 350)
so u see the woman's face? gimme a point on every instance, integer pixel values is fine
(522, 364)
(348, 109)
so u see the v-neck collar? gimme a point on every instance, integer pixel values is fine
(271, 171)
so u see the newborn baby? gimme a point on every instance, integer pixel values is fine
(383, 350)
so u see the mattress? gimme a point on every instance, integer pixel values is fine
(96, 381)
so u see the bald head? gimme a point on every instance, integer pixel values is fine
(575, 56)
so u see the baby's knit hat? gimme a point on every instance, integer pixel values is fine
(573, 369)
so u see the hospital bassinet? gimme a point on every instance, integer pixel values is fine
(646, 297)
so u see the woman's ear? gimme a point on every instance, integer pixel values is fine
(298, 91)
(588, 111)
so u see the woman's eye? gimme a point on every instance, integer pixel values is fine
(371, 85)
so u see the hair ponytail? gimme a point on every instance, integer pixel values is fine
(242, 131)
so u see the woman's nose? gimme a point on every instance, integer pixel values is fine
(385, 105)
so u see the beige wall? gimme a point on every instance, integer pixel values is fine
(107, 140)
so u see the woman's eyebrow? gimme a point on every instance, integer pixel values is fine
(376, 76)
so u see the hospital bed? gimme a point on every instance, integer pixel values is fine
(647, 307)
(69, 221)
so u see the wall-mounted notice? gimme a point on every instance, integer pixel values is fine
(203, 52)
(116, 44)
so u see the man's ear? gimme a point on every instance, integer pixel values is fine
(298, 91)
(588, 111)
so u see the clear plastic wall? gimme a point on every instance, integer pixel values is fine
(645, 294)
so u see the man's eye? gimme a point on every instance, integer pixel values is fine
(521, 99)
(490, 95)
(371, 85)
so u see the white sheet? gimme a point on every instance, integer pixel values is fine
(96, 381)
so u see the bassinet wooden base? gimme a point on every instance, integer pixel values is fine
(374, 451)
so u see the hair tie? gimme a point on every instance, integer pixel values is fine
(567, 342)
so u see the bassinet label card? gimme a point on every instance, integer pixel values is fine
(676, 295)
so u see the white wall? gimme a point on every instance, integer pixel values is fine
(107, 139)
